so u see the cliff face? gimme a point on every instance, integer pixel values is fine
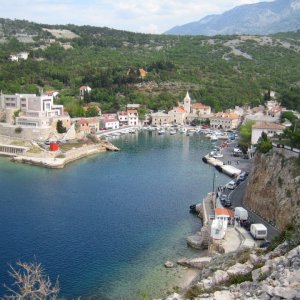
(273, 189)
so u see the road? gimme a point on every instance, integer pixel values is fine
(237, 197)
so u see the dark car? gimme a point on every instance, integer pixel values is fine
(223, 197)
(246, 224)
(265, 244)
(227, 203)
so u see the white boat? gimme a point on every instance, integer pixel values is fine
(131, 130)
(213, 137)
(217, 155)
(182, 130)
(172, 131)
(161, 131)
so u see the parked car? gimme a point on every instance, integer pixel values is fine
(231, 185)
(246, 224)
(223, 197)
(227, 203)
(242, 176)
(265, 244)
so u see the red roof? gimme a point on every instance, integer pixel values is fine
(122, 113)
(180, 109)
(199, 106)
(131, 111)
(222, 115)
(224, 211)
(88, 121)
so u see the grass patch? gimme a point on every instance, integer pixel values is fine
(34, 150)
(238, 279)
(18, 143)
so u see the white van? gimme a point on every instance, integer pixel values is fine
(241, 213)
(258, 231)
(231, 185)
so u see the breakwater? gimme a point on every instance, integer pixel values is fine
(60, 160)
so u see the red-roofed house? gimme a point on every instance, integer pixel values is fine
(225, 121)
(133, 117)
(109, 121)
(87, 125)
(201, 109)
(52, 93)
(178, 115)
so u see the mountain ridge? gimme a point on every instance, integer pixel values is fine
(258, 18)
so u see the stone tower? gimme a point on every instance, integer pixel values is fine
(187, 103)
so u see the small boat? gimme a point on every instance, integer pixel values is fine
(132, 130)
(213, 137)
(161, 131)
(172, 131)
(217, 155)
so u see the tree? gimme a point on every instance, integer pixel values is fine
(264, 144)
(60, 128)
(92, 111)
(31, 283)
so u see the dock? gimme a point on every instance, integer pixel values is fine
(229, 170)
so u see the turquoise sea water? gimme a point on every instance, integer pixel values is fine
(107, 223)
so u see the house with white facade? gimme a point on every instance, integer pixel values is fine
(13, 57)
(123, 117)
(269, 128)
(23, 55)
(109, 121)
(84, 90)
(133, 117)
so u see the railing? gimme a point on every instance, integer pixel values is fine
(275, 145)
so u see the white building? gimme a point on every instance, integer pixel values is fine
(123, 117)
(109, 121)
(84, 90)
(35, 111)
(13, 58)
(23, 55)
(269, 128)
(133, 117)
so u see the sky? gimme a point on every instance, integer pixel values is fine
(148, 16)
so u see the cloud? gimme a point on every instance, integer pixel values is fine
(155, 16)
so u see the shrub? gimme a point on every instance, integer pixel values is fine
(18, 129)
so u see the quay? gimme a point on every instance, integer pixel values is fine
(59, 161)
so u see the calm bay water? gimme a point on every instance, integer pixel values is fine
(106, 224)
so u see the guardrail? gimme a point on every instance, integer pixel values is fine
(286, 147)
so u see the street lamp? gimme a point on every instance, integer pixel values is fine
(214, 177)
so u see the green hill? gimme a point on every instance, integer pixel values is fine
(221, 71)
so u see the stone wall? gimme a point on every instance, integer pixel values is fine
(26, 133)
(273, 189)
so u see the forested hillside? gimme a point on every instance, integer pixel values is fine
(221, 71)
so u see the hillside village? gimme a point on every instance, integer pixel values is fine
(35, 117)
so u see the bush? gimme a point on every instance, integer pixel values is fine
(18, 130)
